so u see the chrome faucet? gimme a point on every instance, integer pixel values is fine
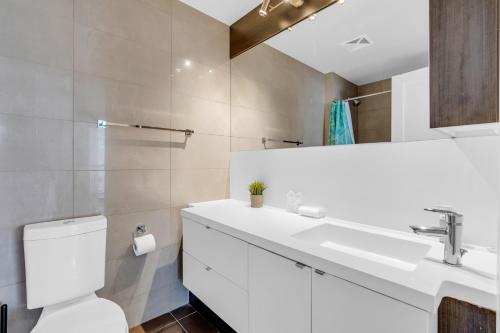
(451, 233)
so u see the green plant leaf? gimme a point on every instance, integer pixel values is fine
(257, 188)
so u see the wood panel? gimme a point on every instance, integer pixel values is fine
(460, 317)
(252, 29)
(463, 62)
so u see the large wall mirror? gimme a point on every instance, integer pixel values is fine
(363, 62)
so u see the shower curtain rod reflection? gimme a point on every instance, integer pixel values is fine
(365, 96)
(105, 124)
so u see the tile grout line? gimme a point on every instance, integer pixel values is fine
(179, 323)
(73, 176)
(192, 313)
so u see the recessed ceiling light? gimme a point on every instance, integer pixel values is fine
(210, 70)
(312, 17)
(341, 2)
(187, 63)
(290, 28)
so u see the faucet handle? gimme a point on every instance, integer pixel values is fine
(443, 211)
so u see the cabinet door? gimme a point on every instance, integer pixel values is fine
(339, 306)
(463, 62)
(279, 294)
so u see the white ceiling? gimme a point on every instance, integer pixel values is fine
(398, 28)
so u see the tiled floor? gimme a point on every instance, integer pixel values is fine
(182, 320)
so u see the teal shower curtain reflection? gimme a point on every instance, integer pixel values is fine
(341, 130)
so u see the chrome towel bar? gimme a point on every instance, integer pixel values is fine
(265, 140)
(105, 124)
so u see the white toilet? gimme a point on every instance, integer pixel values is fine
(65, 264)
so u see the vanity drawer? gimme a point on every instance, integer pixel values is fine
(225, 254)
(222, 296)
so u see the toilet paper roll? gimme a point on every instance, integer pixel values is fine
(144, 244)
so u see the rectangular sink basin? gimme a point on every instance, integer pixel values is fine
(397, 252)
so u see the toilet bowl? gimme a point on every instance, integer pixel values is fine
(89, 314)
(65, 265)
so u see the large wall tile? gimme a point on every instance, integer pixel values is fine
(255, 64)
(199, 37)
(196, 185)
(30, 89)
(157, 222)
(163, 5)
(29, 197)
(201, 115)
(151, 305)
(120, 192)
(201, 151)
(21, 320)
(52, 8)
(273, 95)
(162, 269)
(122, 277)
(106, 55)
(133, 282)
(247, 123)
(248, 93)
(196, 79)
(127, 18)
(117, 148)
(245, 144)
(35, 144)
(31, 33)
(99, 98)
(11, 256)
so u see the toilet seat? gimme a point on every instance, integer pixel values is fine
(96, 315)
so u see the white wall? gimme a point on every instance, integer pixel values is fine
(411, 107)
(384, 184)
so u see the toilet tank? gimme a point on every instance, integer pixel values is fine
(64, 259)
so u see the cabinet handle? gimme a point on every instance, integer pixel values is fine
(300, 265)
(317, 271)
(208, 269)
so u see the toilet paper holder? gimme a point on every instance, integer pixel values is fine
(140, 230)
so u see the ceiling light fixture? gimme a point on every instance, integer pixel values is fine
(266, 7)
(312, 17)
(340, 2)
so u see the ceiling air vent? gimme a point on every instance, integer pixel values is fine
(357, 43)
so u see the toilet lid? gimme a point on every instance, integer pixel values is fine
(97, 316)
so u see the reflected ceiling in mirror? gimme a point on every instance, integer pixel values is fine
(363, 41)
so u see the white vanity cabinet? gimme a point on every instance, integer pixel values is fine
(215, 270)
(257, 291)
(280, 293)
(344, 307)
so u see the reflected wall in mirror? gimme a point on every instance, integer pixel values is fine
(369, 58)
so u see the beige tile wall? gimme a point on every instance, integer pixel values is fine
(274, 96)
(374, 113)
(36, 133)
(64, 64)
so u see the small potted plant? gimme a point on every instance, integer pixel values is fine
(256, 194)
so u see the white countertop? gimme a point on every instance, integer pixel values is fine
(272, 229)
